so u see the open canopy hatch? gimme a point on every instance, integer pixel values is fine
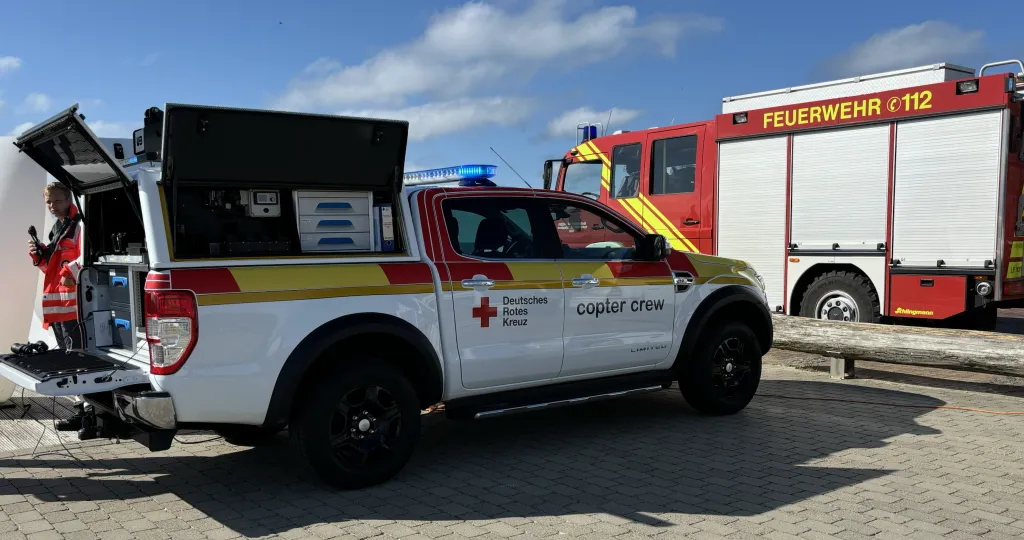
(230, 147)
(66, 148)
(263, 149)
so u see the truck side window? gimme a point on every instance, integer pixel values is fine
(625, 180)
(674, 165)
(498, 228)
(585, 234)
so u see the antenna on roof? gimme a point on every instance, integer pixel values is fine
(609, 120)
(510, 166)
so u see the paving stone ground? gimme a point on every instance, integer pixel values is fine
(792, 465)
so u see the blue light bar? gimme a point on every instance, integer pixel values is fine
(464, 174)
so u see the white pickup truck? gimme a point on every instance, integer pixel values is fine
(252, 271)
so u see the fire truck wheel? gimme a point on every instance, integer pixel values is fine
(841, 296)
(724, 372)
(359, 425)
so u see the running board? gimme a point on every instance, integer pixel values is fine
(566, 402)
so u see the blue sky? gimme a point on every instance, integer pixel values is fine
(516, 75)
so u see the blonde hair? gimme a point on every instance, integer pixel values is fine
(57, 186)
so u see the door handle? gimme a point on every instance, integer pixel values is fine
(477, 282)
(691, 221)
(584, 281)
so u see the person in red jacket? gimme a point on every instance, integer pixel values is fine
(60, 262)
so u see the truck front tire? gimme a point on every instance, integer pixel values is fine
(358, 425)
(725, 370)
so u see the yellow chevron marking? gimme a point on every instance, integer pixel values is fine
(635, 210)
(597, 152)
(584, 151)
(668, 223)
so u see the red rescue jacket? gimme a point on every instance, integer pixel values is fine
(60, 302)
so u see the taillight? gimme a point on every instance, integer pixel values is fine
(172, 329)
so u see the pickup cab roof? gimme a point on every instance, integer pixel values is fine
(232, 147)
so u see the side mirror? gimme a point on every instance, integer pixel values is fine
(549, 172)
(653, 247)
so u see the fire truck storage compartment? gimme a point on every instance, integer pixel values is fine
(924, 296)
(752, 207)
(250, 183)
(946, 191)
(840, 185)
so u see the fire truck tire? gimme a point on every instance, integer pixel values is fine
(724, 372)
(841, 295)
(358, 427)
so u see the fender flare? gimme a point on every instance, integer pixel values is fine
(728, 297)
(306, 353)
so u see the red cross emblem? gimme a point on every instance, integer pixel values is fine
(484, 312)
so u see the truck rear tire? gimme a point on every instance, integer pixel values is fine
(840, 295)
(724, 372)
(358, 425)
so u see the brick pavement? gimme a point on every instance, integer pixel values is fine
(639, 467)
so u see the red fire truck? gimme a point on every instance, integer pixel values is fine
(891, 196)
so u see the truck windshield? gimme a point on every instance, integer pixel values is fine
(584, 178)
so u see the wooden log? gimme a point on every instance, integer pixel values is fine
(989, 352)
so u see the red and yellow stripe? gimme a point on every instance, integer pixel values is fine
(252, 284)
(549, 275)
(640, 208)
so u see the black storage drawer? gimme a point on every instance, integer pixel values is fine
(120, 286)
(123, 329)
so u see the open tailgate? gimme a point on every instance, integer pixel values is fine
(67, 149)
(63, 373)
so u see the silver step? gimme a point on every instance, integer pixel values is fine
(564, 402)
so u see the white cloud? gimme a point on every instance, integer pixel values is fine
(36, 103)
(9, 63)
(110, 129)
(910, 46)
(445, 117)
(21, 128)
(564, 125)
(478, 44)
(149, 60)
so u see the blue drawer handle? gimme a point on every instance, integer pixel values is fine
(122, 323)
(334, 223)
(119, 281)
(334, 205)
(335, 241)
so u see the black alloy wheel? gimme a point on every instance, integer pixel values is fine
(358, 424)
(366, 426)
(724, 371)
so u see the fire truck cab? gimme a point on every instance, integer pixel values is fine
(897, 195)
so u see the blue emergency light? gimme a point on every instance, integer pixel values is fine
(465, 175)
(589, 132)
